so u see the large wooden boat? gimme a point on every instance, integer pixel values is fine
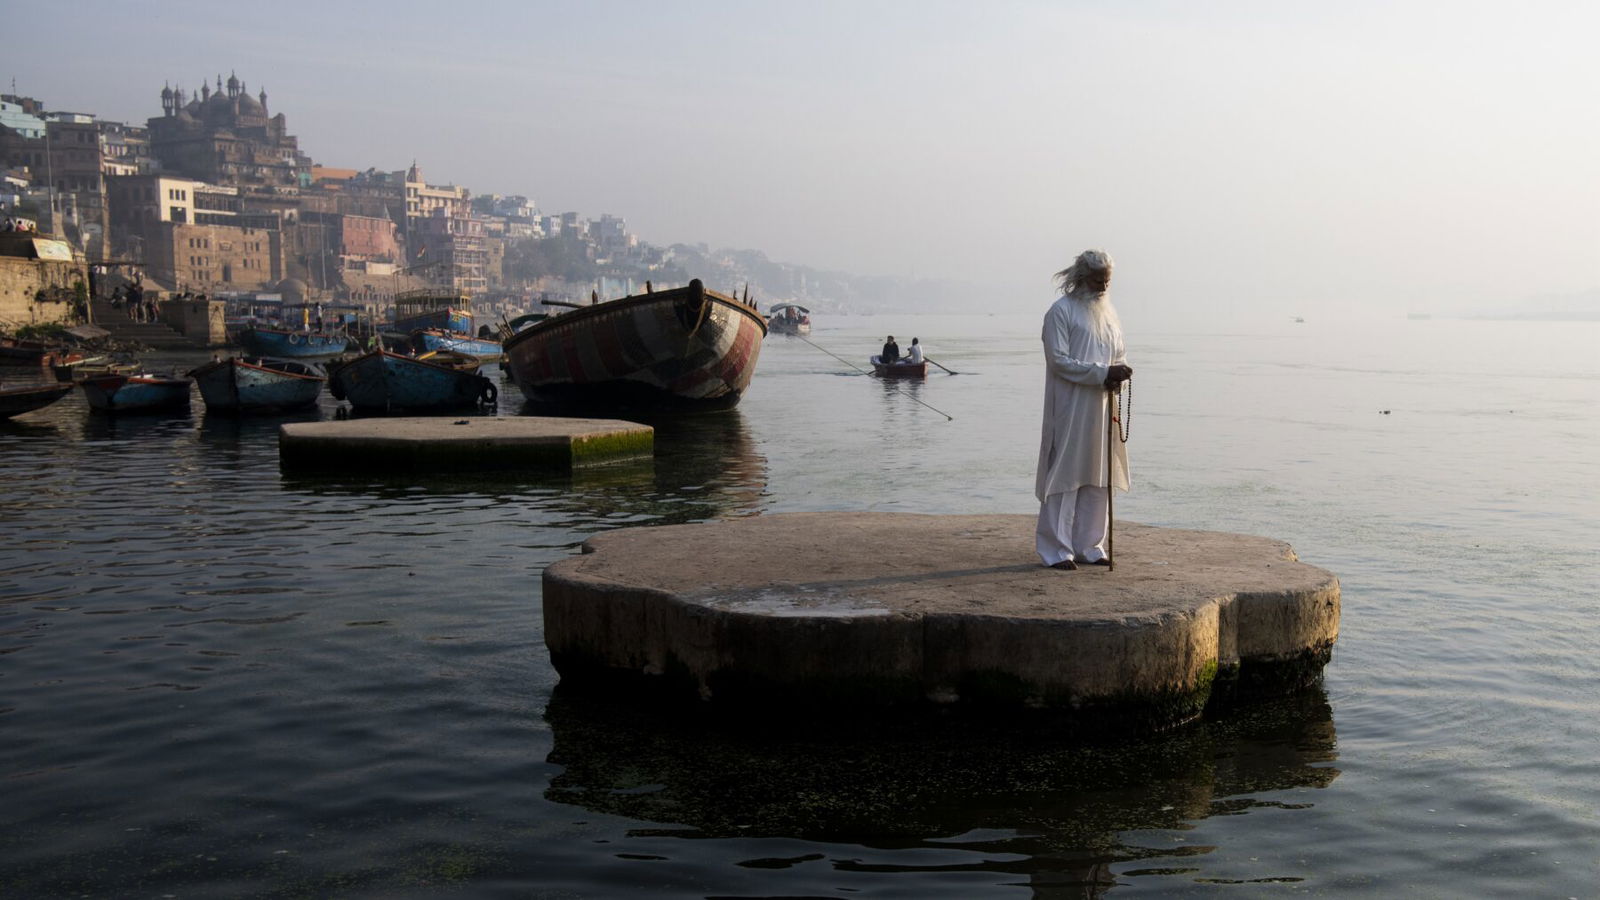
(284, 343)
(136, 393)
(900, 369)
(258, 385)
(384, 381)
(684, 347)
(14, 401)
(789, 318)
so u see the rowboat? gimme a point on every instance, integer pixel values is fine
(14, 401)
(284, 343)
(429, 339)
(686, 347)
(136, 393)
(900, 369)
(789, 318)
(384, 381)
(257, 385)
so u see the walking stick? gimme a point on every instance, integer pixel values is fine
(1111, 491)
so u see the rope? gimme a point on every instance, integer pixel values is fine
(947, 416)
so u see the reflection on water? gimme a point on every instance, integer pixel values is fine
(1011, 803)
(704, 467)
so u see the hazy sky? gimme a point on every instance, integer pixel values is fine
(1261, 158)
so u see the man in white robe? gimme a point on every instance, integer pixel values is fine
(1084, 359)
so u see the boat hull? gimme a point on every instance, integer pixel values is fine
(382, 381)
(445, 318)
(901, 370)
(257, 385)
(430, 340)
(136, 393)
(14, 401)
(284, 344)
(686, 347)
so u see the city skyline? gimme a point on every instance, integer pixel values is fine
(1249, 160)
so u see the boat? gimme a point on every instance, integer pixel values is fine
(789, 318)
(258, 385)
(900, 369)
(136, 393)
(285, 343)
(685, 347)
(14, 401)
(381, 380)
(437, 319)
(432, 308)
(426, 340)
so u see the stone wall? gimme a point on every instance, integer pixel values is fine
(201, 321)
(20, 283)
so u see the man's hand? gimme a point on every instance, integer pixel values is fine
(1116, 375)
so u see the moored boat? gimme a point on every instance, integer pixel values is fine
(684, 347)
(900, 369)
(257, 385)
(789, 318)
(430, 339)
(380, 380)
(14, 401)
(284, 343)
(136, 393)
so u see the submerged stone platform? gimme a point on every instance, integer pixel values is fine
(850, 612)
(472, 443)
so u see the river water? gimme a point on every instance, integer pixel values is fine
(220, 681)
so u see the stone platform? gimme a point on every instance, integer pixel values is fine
(472, 443)
(850, 612)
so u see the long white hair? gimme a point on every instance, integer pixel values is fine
(1077, 277)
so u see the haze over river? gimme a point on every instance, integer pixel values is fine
(217, 680)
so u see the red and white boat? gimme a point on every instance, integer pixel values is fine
(685, 347)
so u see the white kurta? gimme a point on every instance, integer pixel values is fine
(1082, 339)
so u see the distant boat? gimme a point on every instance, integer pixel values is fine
(386, 381)
(258, 385)
(136, 393)
(284, 343)
(1299, 321)
(899, 369)
(685, 347)
(789, 318)
(432, 308)
(14, 401)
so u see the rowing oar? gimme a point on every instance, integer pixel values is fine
(941, 365)
(1111, 490)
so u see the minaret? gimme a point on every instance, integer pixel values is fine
(205, 92)
(166, 99)
(263, 98)
(233, 85)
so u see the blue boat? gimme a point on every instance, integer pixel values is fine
(136, 393)
(284, 343)
(385, 381)
(258, 385)
(428, 340)
(432, 308)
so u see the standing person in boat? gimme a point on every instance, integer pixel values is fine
(914, 353)
(1084, 359)
(890, 354)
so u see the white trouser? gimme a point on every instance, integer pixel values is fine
(1074, 521)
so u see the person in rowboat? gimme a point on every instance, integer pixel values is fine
(913, 354)
(890, 354)
(1084, 359)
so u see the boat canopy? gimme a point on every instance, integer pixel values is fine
(780, 307)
